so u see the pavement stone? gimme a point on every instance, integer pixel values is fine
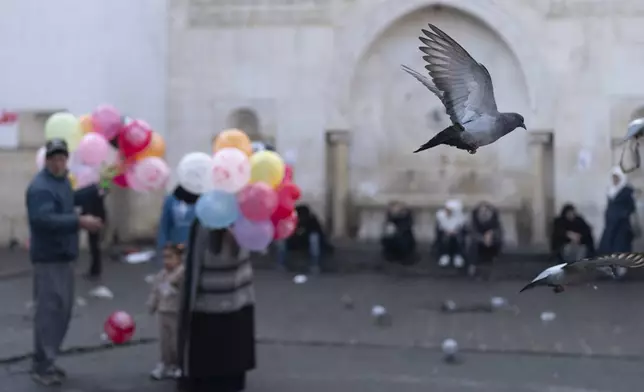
(352, 369)
(602, 322)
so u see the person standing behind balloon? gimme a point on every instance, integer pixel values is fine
(177, 216)
(217, 316)
(53, 228)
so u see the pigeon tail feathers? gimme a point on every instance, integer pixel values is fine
(450, 136)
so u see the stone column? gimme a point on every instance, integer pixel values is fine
(538, 142)
(338, 141)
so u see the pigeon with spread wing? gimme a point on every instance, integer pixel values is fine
(464, 86)
(580, 271)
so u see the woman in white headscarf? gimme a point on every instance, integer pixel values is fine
(618, 232)
(450, 234)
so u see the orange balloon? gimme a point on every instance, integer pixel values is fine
(86, 123)
(234, 138)
(156, 148)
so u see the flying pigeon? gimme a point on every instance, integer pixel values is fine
(464, 86)
(630, 159)
(576, 272)
(635, 129)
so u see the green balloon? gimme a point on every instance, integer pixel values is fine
(64, 126)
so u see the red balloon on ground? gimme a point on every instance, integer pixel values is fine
(284, 228)
(119, 327)
(257, 202)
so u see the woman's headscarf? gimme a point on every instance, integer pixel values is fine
(613, 189)
(453, 221)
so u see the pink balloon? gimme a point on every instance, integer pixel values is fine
(86, 176)
(149, 174)
(134, 137)
(107, 121)
(253, 236)
(257, 201)
(132, 182)
(93, 149)
(231, 170)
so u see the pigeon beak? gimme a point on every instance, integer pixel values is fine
(523, 126)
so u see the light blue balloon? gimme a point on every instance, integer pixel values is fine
(217, 209)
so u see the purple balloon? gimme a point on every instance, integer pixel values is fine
(253, 236)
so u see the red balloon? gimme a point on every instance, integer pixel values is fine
(257, 202)
(292, 189)
(284, 228)
(134, 137)
(119, 327)
(120, 180)
(285, 204)
(288, 174)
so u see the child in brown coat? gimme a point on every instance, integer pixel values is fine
(164, 300)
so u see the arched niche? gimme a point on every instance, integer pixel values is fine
(391, 114)
(247, 120)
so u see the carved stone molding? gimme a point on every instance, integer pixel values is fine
(541, 137)
(338, 137)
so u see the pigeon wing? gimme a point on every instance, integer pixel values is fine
(626, 260)
(425, 81)
(466, 84)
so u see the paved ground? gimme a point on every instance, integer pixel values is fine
(602, 321)
(352, 369)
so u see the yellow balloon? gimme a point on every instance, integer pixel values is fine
(72, 180)
(64, 126)
(267, 167)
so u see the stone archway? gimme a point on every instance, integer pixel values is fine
(246, 120)
(390, 114)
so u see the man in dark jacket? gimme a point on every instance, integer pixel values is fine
(95, 206)
(53, 227)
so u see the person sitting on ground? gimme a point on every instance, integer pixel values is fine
(398, 241)
(450, 234)
(308, 236)
(486, 234)
(572, 237)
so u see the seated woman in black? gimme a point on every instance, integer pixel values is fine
(486, 235)
(398, 242)
(572, 237)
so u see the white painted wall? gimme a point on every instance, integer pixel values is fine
(76, 54)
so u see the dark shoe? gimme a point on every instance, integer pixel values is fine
(59, 372)
(46, 379)
(92, 277)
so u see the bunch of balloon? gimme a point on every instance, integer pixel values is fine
(105, 142)
(245, 189)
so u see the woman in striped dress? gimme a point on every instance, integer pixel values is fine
(217, 319)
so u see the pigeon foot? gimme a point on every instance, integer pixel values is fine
(472, 151)
(559, 289)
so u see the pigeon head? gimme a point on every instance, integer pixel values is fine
(514, 121)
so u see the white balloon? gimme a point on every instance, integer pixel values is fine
(194, 172)
(40, 158)
(231, 170)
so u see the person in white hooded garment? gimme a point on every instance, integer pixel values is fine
(450, 234)
(619, 219)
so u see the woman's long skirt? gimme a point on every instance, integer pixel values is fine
(221, 349)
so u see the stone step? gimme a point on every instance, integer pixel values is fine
(360, 257)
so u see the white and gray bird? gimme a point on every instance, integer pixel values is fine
(464, 86)
(630, 159)
(575, 272)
